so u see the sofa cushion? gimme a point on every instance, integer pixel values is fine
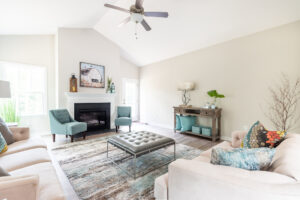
(187, 122)
(258, 136)
(3, 145)
(250, 159)
(22, 159)
(7, 134)
(3, 172)
(49, 185)
(286, 159)
(178, 123)
(23, 145)
(224, 145)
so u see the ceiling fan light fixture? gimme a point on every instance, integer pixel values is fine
(136, 17)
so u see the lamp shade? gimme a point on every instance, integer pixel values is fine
(4, 89)
(186, 86)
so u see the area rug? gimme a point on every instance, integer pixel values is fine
(94, 177)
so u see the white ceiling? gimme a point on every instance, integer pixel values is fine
(192, 24)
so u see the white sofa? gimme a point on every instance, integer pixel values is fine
(201, 180)
(33, 176)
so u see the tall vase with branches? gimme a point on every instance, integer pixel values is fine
(282, 107)
(8, 111)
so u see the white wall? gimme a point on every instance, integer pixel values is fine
(87, 45)
(242, 69)
(34, 50)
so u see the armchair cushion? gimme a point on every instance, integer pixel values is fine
(123, 121)
(124, 111)
(75, 127)
(62, 115)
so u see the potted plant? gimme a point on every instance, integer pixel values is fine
(109, 81)
(214, 94)
(8, 112)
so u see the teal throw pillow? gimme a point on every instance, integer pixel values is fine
(250, 159)
(178, 123)
(187, 122)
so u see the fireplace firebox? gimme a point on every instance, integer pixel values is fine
(96, 115)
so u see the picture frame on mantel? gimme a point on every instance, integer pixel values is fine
(92, 75)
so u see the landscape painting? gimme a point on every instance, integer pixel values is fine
(92, 75)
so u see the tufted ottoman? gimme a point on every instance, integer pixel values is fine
(139, 143)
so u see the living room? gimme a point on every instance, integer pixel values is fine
(135, 99)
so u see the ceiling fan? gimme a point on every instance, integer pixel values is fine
(137, 14)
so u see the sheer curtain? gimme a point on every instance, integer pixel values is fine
(28, 87)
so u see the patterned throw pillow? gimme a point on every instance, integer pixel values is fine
(250, 159)
(3, 145)
(258, 136)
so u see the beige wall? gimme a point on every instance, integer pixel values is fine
(242, 69)
(87, 45)
(34, 50)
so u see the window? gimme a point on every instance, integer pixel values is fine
(28, 87)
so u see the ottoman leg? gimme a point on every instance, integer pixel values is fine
(72, 138)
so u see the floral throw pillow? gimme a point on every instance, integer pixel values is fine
(259, 136)
(3, 145)
(249, 159)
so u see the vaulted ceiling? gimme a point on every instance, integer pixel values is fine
(192, 24)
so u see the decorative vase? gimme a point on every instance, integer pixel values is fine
(73, 83)
(112, 88)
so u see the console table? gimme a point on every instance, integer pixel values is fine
(214, 114)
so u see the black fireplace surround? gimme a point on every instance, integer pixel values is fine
(96, 115)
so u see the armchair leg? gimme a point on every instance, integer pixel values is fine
(66, 136)
(53, 137)
(84, 135)
(116, 129)
(72, 138)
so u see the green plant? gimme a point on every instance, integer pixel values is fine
(8, 112)
(214, 94)
(109, 81)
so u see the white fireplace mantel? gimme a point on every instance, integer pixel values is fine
(82, 97)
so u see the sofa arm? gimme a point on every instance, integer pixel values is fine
(201, 180)
(19, 187)
(237, 138)
(20, 133)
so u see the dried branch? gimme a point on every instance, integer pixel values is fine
(282, 109)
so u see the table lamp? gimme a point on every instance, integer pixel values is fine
(185, 88)
(4, 89)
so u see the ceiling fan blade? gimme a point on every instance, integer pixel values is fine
(116, 7)
(139, 4)
(156, 14)
(125, 21)
(146, 25)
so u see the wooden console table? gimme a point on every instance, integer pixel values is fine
(214, 114)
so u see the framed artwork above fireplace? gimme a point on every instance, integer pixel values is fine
(92, 75)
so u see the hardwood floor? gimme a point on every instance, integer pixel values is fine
(189, 140)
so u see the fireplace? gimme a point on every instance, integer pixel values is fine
(96, 115)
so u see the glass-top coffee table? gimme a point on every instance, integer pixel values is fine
(139, 143)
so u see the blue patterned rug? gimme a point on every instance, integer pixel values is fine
(94, 177)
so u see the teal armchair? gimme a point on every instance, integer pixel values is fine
(123, 117)
(62, 123)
